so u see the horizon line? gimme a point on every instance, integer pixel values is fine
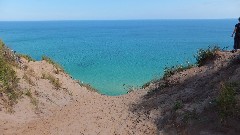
(113, 19)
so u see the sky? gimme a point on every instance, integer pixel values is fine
(35, 10)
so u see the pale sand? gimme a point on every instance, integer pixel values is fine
(70, 110)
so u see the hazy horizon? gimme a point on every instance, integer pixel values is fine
(57, 10)
(116, 20)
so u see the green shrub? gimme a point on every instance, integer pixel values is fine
(169, 71)
(203, 55)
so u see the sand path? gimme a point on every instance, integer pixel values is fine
(93, 114)
(70, 110)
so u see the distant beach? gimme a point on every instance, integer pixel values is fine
(114, 56)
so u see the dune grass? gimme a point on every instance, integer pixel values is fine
(8, 78)
(53, 80)
(27, 57)
(169, 71)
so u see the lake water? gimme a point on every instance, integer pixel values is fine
(113, 56)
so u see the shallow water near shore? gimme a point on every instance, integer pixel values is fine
(113, 56)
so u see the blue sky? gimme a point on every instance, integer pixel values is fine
(117, 9)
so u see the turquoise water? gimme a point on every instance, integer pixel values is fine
(115, 55)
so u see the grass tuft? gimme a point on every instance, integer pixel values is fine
(169, 71)
(54, 81)
(27, 57)
(34, 101)
(203, 55)
(28, 79)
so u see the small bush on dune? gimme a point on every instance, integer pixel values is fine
(203, 55)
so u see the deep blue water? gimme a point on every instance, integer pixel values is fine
(114, 55)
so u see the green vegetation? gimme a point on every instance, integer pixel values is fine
(169, 71)
(54, 81)
(7, 55)
(226, 101)
(27, 57)
(56, 65)
(203, 55)
(176, 69)
(8, 79)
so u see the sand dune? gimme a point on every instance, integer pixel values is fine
(161, 108)
(72, 109)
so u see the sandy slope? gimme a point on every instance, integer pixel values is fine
(74, 110)
(70, 110)
(92, 114)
